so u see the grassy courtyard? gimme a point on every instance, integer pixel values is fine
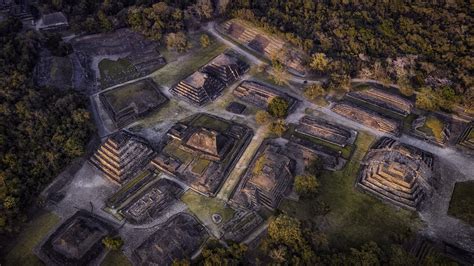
(353, 217)
(29, 238)
(115, 69)
(433, 127)
(203, 207)
(180, 66)
(462, 202)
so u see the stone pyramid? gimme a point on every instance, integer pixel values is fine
(121, 156)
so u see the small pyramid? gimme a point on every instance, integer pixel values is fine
(209, 141)
(121, 155)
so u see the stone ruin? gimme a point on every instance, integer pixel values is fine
(199, 88)
(56, 21)
(77, 241)
(397, 173)
(266, 186)
(261, 95)
(226, 67)
(206, 84)
(121, 156)
(467, 138)
(202, 157)
(421, 121)
(145, 98)
(141, 52)
(323, 130)
(266, 44)
(152, 202)
(241, 225)
(392, 102)
(179, 238)
(367, 118)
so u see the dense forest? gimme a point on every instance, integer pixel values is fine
(416, 45)
(41, 130)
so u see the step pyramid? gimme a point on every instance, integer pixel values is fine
(121, 156)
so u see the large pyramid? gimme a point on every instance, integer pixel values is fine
(398, 173)
(210, 142)
(199, 88)
(121, 156)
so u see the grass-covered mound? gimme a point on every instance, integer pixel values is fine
(462, 202)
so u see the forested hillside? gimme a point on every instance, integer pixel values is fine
(41, 130)
(415, 45)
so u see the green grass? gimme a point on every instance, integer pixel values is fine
(200, 165)
(210, 122)
(174, 150)
(115, 258)
(31, 236)
(203, 207)
(345, 151)
(180, 68)
(61, 69)
(135, 180)
(354, 217)
(110, 69)
(471, 134)
(142, 93)
(433, 127)
(462, 202)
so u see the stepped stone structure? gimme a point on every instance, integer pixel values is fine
(241, 225)
(77, 241)
(127, 103)
(266, 44)
(367, 118)
(202, 157)
(56, 21)
(420, 122)
(398, 173)
(121, 156)
(467, 138)
(179, 238)
(226, 67)
(261, 95)
(321, 129)
(268, 185)
(385, 100)
(199, 88)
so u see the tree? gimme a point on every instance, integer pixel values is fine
(112, 243)
(262, 117)
(278, 107)
(177, 41)
(216, 254)
(205, 40)
(319, 62)
(278, 127)
(313, 91)
(280, 75)
(204, 8)
(286, 230)
(306, 185)
(104, 22)
(426, 99)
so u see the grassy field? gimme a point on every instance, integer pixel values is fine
(353, 217)
(433, 127)
(110, 69)
(179, 67)
(174, 150)
(142, 93)
(203, 207)
(200, 165)
(31, 235)
(115, 258)
(210, 122)
(462, 202)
